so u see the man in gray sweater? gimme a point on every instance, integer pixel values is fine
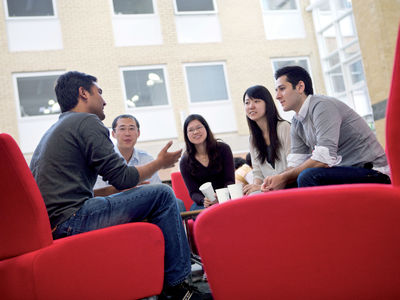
(75, 150)
(330, 142)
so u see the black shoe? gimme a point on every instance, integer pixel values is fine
(183, 291)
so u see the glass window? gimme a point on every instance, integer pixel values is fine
(347, 30)
(343, 4)
(302, 62)
(351, 50)
(30, 8)
(194, 5)
(332, 60)
(145, 87)
(329, 38)
(36, 95)
(133, 7)
(356, 72)
(279, 4)
(206, 83)
(336, 76)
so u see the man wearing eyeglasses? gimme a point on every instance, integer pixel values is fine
(126, 130)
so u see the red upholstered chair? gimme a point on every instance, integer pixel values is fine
(392, 119)
(180, 189)
(332, 242)
(119, 262)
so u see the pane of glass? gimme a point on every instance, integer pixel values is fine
(347, 30)
(145, 87)
(30, 8)
(132, 7)
(194, 5)
(206, 83)
(329, 38)
(356, 71)
(351, 50)
(279, 4)
(362, 105)
(36, 95)
(343, 4)
(332, 60)
(336, 77)
(293, 62)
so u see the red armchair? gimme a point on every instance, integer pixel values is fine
(180, 189)
(120, 262)
(335, 242)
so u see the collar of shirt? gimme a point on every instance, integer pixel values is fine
(134, 158)
(303, 110)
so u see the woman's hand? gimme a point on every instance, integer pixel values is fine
(208, 202)
(250, 188)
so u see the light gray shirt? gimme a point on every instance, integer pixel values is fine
(139, 158)
(327, 130)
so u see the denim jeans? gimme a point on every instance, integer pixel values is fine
(195, 206)
(340, 175)
(156, 203)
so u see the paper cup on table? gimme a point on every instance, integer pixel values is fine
(207, 190)
(222, 195)
(236, 190)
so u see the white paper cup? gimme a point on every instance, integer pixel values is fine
(222, 195)
(207, 190)
(236, 190)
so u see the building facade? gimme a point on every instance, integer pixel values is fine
(162, 60)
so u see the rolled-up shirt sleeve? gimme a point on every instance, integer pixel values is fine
(327, 121)
(299, 151)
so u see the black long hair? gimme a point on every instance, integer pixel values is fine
(272, 117)
(211, 145)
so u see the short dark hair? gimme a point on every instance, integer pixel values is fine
(125, 116)
(238, 162)
(248, 159)
(67, 88)
(294, 74)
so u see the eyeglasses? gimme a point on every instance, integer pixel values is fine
(193, 129)
(123, 128)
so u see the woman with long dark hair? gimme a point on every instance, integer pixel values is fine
(205, 160)
(269, 136)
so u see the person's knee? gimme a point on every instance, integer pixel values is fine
(165, 192)
(308, 177)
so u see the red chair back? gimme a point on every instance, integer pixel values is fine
(392, 119)
(24, 223)
(335, 242)
(180, 189)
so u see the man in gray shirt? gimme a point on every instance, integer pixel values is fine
(330, 142)
(75, 150)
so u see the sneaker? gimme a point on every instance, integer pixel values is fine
(183, 291)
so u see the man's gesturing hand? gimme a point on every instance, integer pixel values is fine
(168, 159)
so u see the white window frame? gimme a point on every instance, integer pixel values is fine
(155, 12)
(344, 62)
(274, 59)
(54, 16)
(17, 100)
(203, 12)
(139, 68)
(280, 11)
(200, 64)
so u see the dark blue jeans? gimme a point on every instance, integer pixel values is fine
(340, 175)
(156, 203)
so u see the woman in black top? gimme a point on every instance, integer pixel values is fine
(205, 160)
